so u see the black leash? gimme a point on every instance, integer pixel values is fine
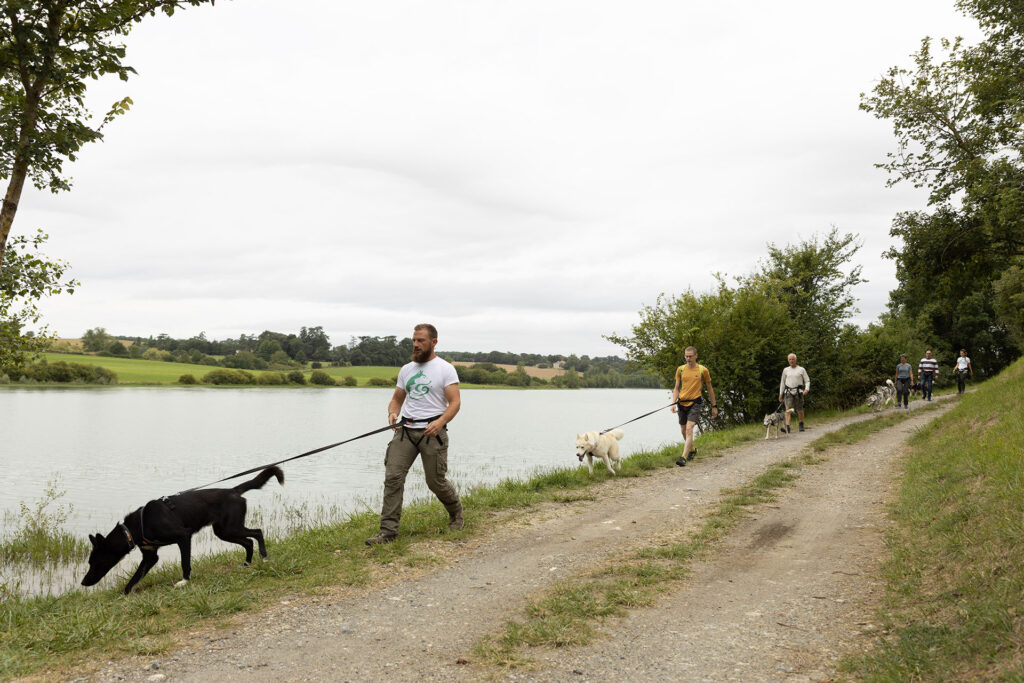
(398, 424)
(637, 418)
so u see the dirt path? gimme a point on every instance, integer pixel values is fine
(787, 593)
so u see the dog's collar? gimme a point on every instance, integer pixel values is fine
(127, 535)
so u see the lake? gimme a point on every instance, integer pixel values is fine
(112, 449)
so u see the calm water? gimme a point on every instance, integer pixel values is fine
(115, 448)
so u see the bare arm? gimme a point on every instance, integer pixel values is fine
(675, 394)
(395, 406)
(451, 392)
(714, 403)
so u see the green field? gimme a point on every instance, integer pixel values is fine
(138, 371)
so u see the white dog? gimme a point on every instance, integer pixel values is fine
(777, 420)
(883, 396)
(597, 445)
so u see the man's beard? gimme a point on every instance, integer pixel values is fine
(422, 356)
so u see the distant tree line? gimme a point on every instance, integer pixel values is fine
(278, 351)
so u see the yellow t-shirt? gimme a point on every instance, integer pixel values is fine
(690, 381)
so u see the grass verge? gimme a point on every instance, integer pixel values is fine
(955, 581)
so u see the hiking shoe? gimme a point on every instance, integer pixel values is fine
(681, 462)
(692, 455)
(456, 523)
(380, 539)
(801, 426)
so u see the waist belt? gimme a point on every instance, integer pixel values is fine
(416, 442)
(687, 402)
(793, 390)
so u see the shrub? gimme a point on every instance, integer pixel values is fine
(322, 378)
(296, 377)
(316, 365)
(271, 379)
(349, 381)
(379, 382)
(116, 348)
(187, 379)
(226, 376)
(62, 372)
(154, 353)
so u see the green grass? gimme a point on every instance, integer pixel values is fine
(954, 606)
(35, 536)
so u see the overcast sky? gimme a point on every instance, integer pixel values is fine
(526, 175)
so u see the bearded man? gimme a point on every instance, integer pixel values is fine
(426, 399)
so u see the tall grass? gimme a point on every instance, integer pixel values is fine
(36, 535)
(955, 601)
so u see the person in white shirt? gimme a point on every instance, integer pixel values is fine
(962, 367)
(426, 399)
(794, 386)
(927, 371)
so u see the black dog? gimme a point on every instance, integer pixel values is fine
(173, 520)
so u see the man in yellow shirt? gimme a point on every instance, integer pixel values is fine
(686, 397)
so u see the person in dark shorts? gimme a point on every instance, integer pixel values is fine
(687, 400)
(904, 378)
(795, 385)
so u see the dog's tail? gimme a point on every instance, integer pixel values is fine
(617, 433)
(889, 382)
(260, 479)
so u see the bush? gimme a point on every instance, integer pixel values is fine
(61, 372)
(379, 382)
(322, 378)
(271, 379)
(187, 379)
(316, 365)
(226, 376)
(116, 348)
(296, 377)
(349, 381)
(153, 353)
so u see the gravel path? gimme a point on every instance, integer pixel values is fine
(786, 594)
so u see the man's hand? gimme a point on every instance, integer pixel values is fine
(434, 428)
(805, 391)
(780, 398)
(673, 407)
(714, 413)
(392, 418)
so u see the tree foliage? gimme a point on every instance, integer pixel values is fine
(799, 301)
(958, 118)
(25, 277)
(49, 51)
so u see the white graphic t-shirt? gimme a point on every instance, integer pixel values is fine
(962, 362)
(424, 385)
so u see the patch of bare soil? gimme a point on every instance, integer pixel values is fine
(782, 598)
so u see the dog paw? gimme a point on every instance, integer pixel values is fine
(181, 584)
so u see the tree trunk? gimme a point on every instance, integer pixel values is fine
(10, 205)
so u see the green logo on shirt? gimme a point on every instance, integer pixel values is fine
(418, 386)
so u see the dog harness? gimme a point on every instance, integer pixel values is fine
(416, 442)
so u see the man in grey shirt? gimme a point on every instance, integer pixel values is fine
(794, 386)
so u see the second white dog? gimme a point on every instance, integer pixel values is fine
(596, 445)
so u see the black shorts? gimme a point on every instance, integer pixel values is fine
(689, 413)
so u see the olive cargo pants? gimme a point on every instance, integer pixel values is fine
(401, 454)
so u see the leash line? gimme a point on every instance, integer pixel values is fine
(397, 425)
(638, 418)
